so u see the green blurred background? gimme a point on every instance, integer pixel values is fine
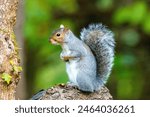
(128, 19)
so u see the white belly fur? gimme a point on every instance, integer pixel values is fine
(72, 71)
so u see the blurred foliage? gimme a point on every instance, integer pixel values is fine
(129, 20)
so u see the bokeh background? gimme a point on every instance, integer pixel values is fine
(128, 19)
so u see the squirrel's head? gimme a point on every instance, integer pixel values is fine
(58, 36)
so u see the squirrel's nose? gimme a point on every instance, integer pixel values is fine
(50, 40)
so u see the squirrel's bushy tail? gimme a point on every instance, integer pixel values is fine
(101, 41)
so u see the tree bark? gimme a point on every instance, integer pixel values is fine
(9, 61)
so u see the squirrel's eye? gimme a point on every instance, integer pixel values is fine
(58, 34)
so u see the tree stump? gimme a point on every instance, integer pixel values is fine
(66, 92)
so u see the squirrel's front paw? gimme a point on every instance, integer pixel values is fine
(65, 57)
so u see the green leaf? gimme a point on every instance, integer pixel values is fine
(132, 14)
(17, 69)
(138, 12)
(11, 62)
(146, 24)
(104, 5)
(121, 15)
(6, 77)
(67, 6)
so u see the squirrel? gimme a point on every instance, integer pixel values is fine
(89, 60)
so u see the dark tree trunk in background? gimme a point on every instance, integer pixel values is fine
(21, 88)
(9, 60)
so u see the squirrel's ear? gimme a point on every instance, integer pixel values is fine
(62, 26)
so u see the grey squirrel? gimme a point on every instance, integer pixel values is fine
(89, 60)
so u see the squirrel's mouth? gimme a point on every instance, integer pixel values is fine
(55, 41)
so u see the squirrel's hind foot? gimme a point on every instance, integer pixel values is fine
(70, 84)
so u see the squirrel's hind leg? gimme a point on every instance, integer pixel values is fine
(84, 84)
